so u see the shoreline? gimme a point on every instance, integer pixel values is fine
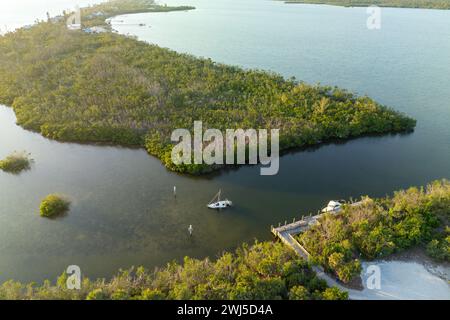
(364, 5)
(402, 255)
(418, 255)
(388, 120)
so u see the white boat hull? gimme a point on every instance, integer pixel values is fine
(333, 206)
(220, 204)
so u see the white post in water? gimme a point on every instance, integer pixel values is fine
(174, 191)
(190, 229)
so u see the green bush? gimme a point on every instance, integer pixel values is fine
(334, 293)
(16, 162)
(439, 248)
(96, 294)
(53, 205)
(120, 294)
(152, 294)
(299, 293)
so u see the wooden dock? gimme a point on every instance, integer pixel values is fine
(286, 233)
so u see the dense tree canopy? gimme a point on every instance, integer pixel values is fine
(261, 271)
(73, 86)
(380, 227)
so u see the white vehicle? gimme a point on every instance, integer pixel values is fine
(216, 203)
(333, 206)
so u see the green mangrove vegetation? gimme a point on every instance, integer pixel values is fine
(439, 248)
(97, 15)
(264, 270)
(16, 162)
(108, 88)
(425, 4)
(54, 205)
(380, 227)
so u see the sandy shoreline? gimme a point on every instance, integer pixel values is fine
(418, 255)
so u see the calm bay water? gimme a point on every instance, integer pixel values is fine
(18, 13)
(123, 210)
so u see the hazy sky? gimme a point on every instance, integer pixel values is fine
(17, 13)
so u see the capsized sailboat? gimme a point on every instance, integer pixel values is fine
(216, 203)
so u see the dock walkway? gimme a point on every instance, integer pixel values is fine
(285, 233)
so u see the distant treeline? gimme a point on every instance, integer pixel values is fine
(426, 4)
(380, 227)
(109, 88)
(95, 15)
(261, 271)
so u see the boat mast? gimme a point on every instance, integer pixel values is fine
(217, 196)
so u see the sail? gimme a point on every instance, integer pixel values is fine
(216, 198)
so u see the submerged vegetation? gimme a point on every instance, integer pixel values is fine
(16, 162)
(54, 205)
(426, 4)
(109, 88)
(261, 271)
(379, 227)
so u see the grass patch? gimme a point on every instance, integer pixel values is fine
(16, 162)
(54, 205)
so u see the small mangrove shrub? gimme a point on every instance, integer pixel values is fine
(16, 162)
(54, 205)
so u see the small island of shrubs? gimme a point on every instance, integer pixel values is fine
(54, 205)
(113, 89)
(16, 162)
